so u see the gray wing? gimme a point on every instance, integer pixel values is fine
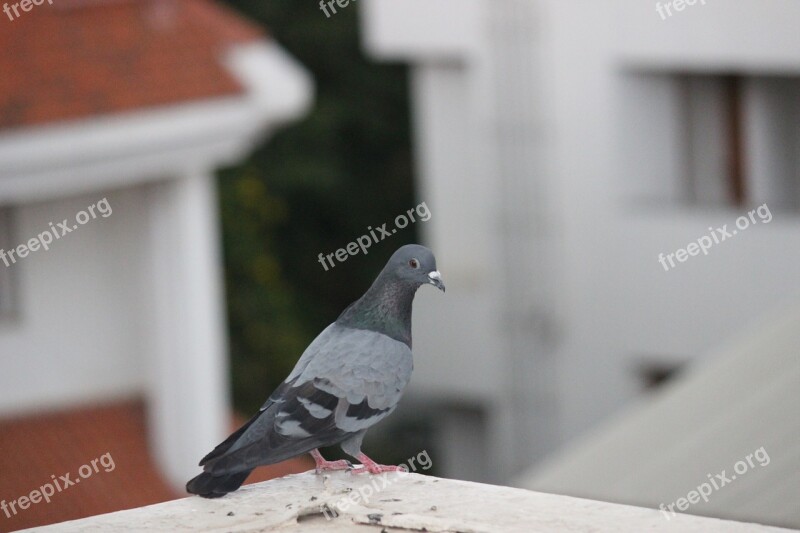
(358, 364)
(346, 381)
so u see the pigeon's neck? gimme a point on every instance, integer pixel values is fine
(384, 308)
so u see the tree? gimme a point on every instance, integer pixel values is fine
(313, 188)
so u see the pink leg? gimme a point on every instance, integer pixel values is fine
(323, 465)
(374, 468)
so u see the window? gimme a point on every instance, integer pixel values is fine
(723, 140)
(653, 372)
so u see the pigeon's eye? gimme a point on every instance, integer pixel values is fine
(413, 263)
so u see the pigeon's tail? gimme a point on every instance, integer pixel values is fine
(214, 486)
(217, 484)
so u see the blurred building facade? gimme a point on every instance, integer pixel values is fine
(562, 147)
(136, 104)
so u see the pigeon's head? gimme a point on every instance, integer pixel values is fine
(415, 265)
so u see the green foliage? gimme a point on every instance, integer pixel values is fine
(312, 188)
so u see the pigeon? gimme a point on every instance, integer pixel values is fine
(348, 379)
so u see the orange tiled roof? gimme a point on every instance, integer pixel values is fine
(35, 448)
(76, 59)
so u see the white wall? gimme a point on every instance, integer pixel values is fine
(623, 307)
(78, 334)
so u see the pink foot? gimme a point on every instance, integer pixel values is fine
(323, 465)
(368, 465)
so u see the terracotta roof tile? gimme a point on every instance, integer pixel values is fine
(36, 448)
(77, 59)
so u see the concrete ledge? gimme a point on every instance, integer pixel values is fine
(391, 502)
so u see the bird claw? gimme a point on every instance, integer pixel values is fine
(326, 466)
(377, 469)
(368, 465)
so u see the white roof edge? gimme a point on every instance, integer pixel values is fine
(277, 84)
(64, 158)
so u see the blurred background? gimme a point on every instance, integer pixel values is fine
(560, 146)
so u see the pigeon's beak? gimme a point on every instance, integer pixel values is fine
(436, 280)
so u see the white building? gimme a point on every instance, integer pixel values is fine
(139, 111)
(561, 147)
